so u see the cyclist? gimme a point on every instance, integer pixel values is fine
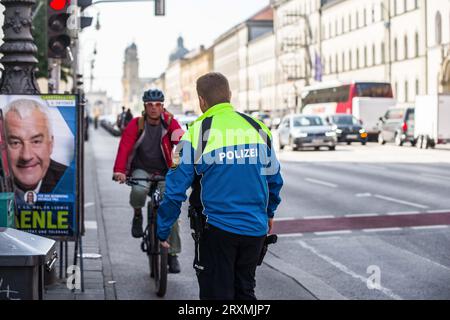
(145, 149)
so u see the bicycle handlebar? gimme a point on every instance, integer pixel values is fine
(153, 178)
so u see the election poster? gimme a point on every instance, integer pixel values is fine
(42, 143)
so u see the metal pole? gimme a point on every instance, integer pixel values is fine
(19, 50)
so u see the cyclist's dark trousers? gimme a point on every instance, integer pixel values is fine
(229, 261)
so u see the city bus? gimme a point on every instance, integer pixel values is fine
(368, 101)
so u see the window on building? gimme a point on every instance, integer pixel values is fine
(365, 17)
(357, 20)
(330, 61)
(406, 91)
(405, 5)
(350, 27)
(337, 64)
(416, 4)
(438, 23)
(406, 47)
(365, 56)
(350, 60)
(395, 7)
(374, 55)
(417, 87)
(395, 50)
(344, 65)
(383, 53)
(357, 59)
(416, 49)
(373, 13)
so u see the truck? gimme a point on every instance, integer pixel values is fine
(369, 111)
(432, 120)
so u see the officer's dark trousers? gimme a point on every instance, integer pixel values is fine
(229, 264)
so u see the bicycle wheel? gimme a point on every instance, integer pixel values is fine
(157, 258)
(150, 240)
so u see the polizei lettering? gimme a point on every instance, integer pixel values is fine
(239, 154)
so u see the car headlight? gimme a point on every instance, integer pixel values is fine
(330, 134)
(362, 131)
(338, 131)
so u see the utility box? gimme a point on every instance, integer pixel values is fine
(24, 258)
(7, 210)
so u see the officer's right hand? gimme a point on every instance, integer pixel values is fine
(270, 225)
(119, 177)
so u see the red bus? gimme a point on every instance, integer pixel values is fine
(367, 101)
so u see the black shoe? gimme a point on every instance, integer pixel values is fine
(174, 265)
(136, 229)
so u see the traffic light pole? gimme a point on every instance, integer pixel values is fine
(19, 50)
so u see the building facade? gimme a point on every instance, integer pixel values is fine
(231, 55)
(196, 63)
(404, 42)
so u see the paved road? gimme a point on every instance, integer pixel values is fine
(372, 213)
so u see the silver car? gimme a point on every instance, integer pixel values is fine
(301, 131)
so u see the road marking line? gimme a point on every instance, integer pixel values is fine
(290, 235)
(382, 229)
(412, 204)
(318, 217)
(435, 176)
(363, 195)
(438, 211)
(284, 219)
(362, 215)
(323, 183)
(327, 233)
(430, 227)
(346, 270)
(89, 204)
(403, 213)
(90, 224)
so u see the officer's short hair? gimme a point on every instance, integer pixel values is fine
(214, 88)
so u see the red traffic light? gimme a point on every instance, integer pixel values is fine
(58, 4)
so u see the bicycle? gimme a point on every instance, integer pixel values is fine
(157, 255)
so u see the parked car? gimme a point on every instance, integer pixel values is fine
(301, 131)
(348, 128)
(109, 123)
(397, 125)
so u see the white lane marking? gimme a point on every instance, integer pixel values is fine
(322, 183)
(405, 213)
(325, 238)
(290, 235)
(363, 195)
(328, 233)
(412, 204)
(346, 270)
(362, 215)
(382, 229)
(439, 211)
(318, 217)
(435, 176)
(285, 219)
(430, 227)
(90, 224)
(89, 204)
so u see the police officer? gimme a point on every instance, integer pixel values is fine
(231, 156)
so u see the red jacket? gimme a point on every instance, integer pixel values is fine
(130, 141)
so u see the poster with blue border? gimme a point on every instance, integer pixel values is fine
(42, 143)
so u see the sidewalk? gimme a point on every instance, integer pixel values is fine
(97, 277)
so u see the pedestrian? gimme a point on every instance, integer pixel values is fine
(145, 149)
(237, 178)
(121, 120)
(128, 117)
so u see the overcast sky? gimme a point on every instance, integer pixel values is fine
(198, 21)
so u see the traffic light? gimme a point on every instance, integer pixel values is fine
(160, 7)
(58, 37)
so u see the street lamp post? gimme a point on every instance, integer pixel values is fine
(19, 50)
(387, 25)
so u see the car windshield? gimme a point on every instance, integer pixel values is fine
(344, 120)
(307, 122)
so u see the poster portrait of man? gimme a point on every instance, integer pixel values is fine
(30, 141)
